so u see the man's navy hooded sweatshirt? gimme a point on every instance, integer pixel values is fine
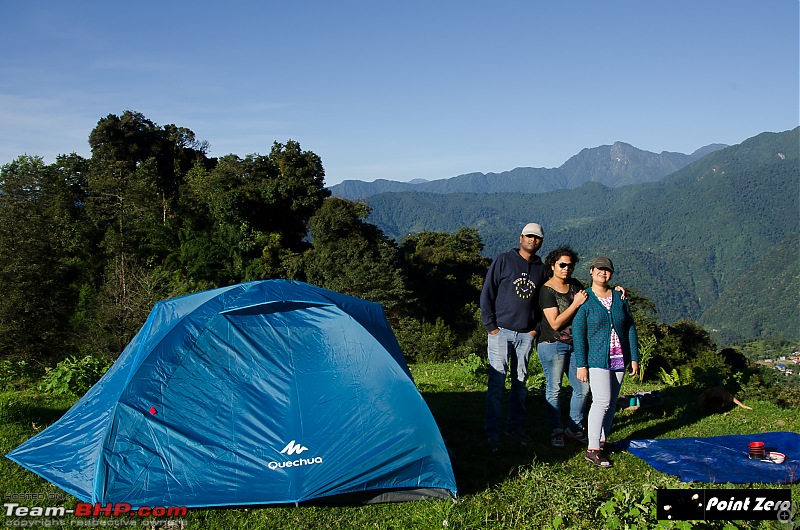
(510, 295)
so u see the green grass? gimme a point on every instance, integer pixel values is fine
(522, 487)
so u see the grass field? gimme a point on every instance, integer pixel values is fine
(520, 487)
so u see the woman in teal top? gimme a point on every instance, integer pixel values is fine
(605, 342)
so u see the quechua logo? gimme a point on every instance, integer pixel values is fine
(292, 449)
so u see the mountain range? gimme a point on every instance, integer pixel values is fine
(613, 165)
(715, 242)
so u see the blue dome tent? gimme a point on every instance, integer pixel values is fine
(266, 392)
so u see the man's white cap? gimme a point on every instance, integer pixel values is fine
(533, 229)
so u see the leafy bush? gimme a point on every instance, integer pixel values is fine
(678, 345)
(730, 369)
(788, 398)
(422, 341)
(473, 343)
(74, 376)
(709, 369)
(477, 369)
(476, 366)
(629, 508)
(536, 378)
(635, 507)
(17, 374)
(765, 384)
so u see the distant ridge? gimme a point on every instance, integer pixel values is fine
(715, 242)
(615, 165)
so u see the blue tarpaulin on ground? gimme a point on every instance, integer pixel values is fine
(720, 459)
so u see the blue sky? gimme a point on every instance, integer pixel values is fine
(402, 90)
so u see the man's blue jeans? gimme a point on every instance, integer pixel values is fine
(557, 358)
(509, 352)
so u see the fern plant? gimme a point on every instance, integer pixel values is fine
(670, 378)
(646, 347)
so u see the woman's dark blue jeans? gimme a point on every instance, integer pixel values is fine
(557, 358)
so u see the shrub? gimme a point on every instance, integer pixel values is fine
(422, 341)
(536, 378)
(788, 398)
(17, 374)
(629, 508)
(74, 376)
(476, 366)
(708, 369)
(679, 345)
(765, 384)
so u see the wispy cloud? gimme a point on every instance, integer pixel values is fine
(43, 127)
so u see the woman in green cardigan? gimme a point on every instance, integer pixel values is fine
(605, 342)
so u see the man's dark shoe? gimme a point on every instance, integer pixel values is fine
(494, 443)
(557, 438)
(578, 435)
(521, 436)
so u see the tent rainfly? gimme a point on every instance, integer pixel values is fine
(268, 392)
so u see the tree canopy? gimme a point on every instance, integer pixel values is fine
(87, 246)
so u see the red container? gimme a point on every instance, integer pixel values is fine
(757, 451)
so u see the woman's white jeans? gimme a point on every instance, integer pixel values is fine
(605, 385)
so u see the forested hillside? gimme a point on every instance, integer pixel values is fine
(689, 242)
(774, 276)
(87, 246)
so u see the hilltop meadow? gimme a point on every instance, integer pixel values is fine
(522, 487)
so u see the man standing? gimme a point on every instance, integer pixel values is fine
(509, 312)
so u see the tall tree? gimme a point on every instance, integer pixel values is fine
(257, 210)
(293, 192)
(137, 173)
(133, 139)
(38, 263)
(446, 274)
(354, 257)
